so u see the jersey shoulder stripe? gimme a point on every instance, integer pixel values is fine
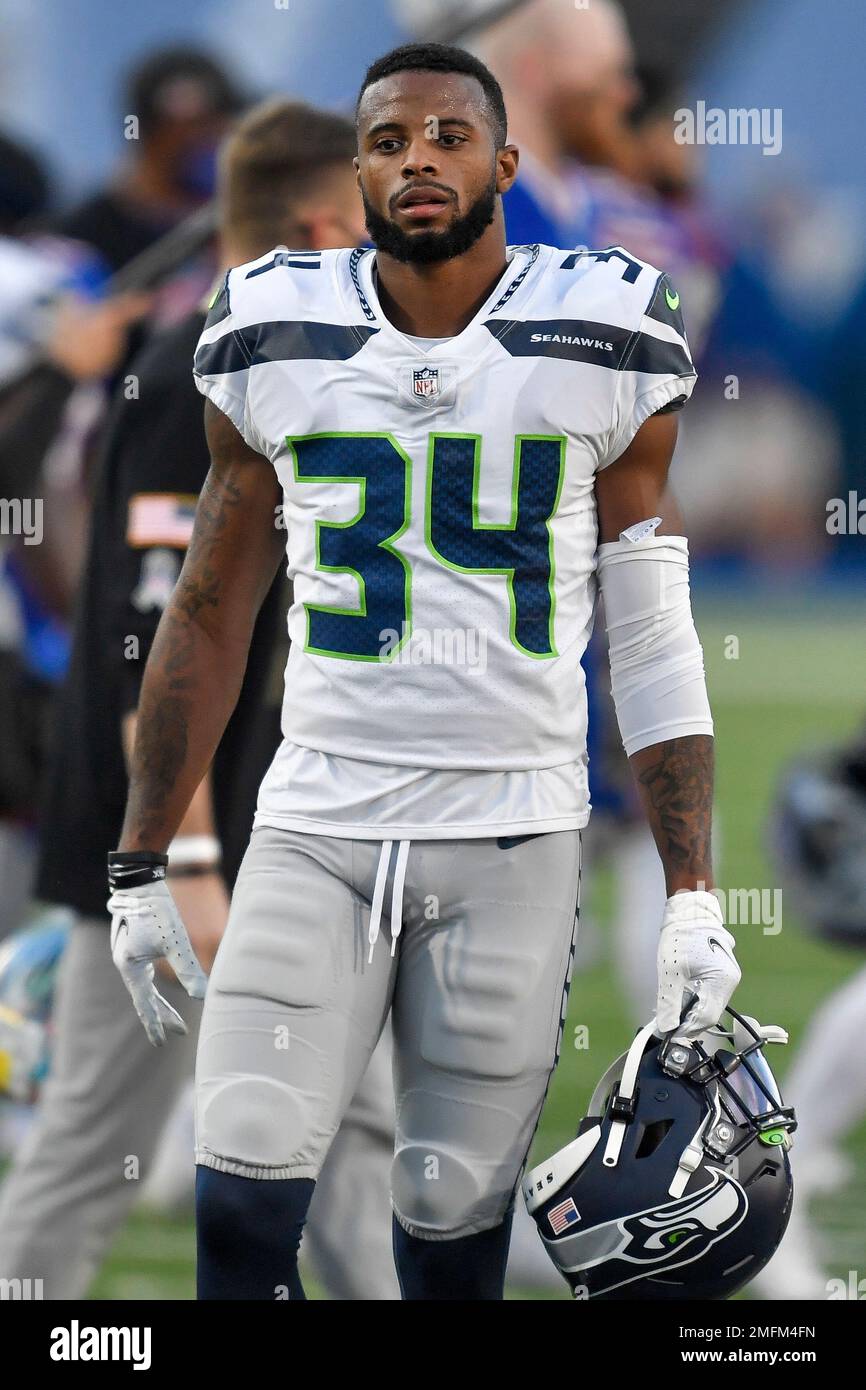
(283, 307)
(602, 344)
(281, 341)
(607, 308)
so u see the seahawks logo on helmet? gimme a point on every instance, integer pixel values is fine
(648, 1242)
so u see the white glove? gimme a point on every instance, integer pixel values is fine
(695, 957)
(146, 925)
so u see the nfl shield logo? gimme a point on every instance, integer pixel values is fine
(425, 382)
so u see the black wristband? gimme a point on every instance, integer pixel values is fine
(133, 868)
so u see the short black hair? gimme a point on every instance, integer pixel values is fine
(441, 57)
(150, 87)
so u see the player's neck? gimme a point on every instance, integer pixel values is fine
(438, 301)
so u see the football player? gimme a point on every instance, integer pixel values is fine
(453, 441)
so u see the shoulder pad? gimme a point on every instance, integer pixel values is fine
(282, 284)
(610, 284)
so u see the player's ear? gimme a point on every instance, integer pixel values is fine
(357, 167)
(507, 160)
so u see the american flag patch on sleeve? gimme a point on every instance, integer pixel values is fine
(160, 518)
(563, 1215)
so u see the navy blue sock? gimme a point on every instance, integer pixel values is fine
(247, 1232)
(470, 1268)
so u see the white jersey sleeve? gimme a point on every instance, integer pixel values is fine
(219, 376)
(233, 339)
(656, 371)
(274, 330)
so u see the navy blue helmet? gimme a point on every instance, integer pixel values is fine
(678, 1185)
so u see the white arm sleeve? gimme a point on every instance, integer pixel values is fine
(656, 661)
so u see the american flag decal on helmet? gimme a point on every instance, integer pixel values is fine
(563, 1215)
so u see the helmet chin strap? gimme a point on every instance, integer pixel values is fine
(624, 1095)
(623, 1102)
(693, 1154)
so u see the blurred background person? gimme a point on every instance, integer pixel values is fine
(568, 80)
(177, 105)
(66, 329)
(53, 336)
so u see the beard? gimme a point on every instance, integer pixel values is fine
(427, 248)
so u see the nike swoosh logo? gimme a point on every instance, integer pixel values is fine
(509, 841)
(673, 300)
(711, 941)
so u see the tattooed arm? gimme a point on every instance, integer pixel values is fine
(657, 678)
(675, 776)
(676, 785)
(196, 664)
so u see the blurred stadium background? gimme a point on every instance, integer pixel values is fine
(776, 430)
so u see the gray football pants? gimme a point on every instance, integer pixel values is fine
(79, 1171)
(476, 987)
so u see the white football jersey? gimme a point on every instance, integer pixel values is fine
(438, 497)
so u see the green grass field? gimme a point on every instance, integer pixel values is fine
(797, 680)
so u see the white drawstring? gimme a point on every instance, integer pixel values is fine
(378, 894)
(396, 895)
